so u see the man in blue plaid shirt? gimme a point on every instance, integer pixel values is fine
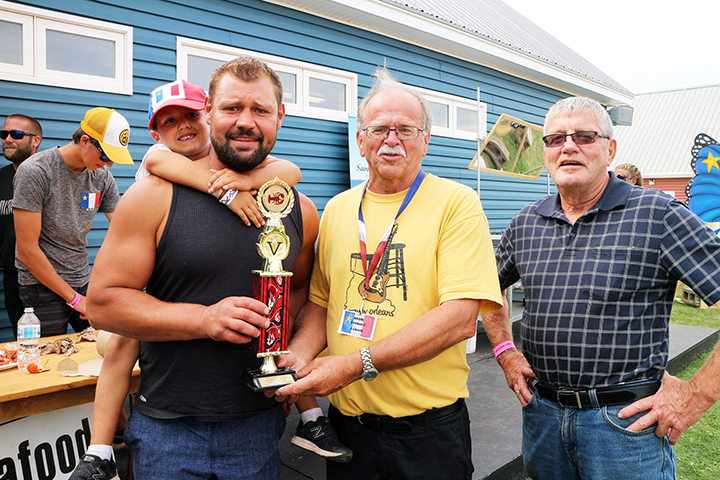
(599, 263)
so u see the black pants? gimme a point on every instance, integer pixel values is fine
(440, 450)
(13, 304)
(52, 310)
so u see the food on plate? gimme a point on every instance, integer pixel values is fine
(10, 351)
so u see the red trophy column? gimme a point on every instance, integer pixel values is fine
(271, 285)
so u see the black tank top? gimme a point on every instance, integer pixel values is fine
(206, 253)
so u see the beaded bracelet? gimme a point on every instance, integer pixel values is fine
(229, 196)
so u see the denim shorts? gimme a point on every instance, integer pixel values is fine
(570, 443)
(183, 448)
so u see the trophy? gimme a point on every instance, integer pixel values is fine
(271, 285)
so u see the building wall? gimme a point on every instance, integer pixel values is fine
(675, 185)
(319, 147)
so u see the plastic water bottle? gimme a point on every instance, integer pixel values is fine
(28, 338)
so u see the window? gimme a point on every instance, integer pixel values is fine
(441, 114)
(456, 116)
(309, 90)
(50, 48)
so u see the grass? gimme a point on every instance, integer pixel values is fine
(698, 449)
(696, 317)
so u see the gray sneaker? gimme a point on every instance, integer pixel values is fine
(92, 467)
(320, 437)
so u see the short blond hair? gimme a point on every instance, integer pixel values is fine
(633, 171)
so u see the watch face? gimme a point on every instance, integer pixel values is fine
(369, 375)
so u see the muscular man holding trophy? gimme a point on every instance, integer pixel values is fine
(198, 317)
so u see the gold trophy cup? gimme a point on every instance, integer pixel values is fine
(271, 285)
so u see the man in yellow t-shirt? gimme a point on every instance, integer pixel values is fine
(404, 265)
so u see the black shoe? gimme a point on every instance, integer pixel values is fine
(92, 467)
(320, 437)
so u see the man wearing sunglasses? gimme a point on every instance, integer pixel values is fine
(599, 262)
(57, 193)
(21, 136)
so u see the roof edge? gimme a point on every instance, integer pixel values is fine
(407, 26)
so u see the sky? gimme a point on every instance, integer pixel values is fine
(645, 45)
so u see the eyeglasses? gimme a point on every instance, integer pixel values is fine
(580, 138)
(402, 133)
(621, 176)
(15, 134)
(103, 157)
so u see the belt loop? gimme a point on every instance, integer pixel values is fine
(532, 383)
(593, 398)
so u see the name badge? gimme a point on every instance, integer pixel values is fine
(358, 324)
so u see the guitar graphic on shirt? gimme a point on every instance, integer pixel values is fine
(376, 292)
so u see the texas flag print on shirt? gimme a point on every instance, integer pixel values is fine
(90, 200)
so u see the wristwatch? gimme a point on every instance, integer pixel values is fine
(369, 371)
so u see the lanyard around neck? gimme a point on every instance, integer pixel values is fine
(369, 270)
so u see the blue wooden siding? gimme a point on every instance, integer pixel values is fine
(319, 147)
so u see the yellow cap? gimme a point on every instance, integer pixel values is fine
(112, 131)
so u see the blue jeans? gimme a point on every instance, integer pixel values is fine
(569, 443)
(188, 449)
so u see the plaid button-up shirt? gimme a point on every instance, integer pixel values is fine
(599, 293)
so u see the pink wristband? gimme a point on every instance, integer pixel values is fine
(75, 300)
(501, 347)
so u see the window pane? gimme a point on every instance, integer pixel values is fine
(289, 84)
(11, 48)
(200, 69)
(327, 94)
(441, 114)
(467, 119)
(64, 49)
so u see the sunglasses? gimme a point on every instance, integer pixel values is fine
(622, 177)
(15, 134)
(103, 157)
(580, 138)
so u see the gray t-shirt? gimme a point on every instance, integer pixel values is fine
(68, 202)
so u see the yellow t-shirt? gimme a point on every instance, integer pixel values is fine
(440, 251)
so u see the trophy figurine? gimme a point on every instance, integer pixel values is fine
(271, 285)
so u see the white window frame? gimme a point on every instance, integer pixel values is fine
(436, 128)
(299, 87)
(454, 102)
(302, 71)
(37, 21)
(27, 40)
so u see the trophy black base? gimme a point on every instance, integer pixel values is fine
(259, 381)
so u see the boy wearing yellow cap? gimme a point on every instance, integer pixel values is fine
(57, 194)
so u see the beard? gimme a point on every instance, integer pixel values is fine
(245, 160)
(19, 154)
